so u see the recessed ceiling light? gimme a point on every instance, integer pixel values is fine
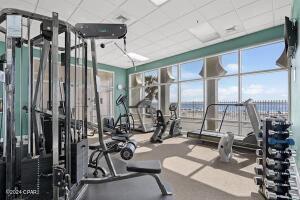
(159, 2)
(137, 57)
(205, 32)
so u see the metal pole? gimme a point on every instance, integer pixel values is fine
(29, 87)
(10, 83)
(68, 99)
(55, 105)
(98, 111)
(85, 107)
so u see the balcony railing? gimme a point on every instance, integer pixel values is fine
(196, 110)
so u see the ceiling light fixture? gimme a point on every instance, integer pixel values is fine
(159, 2)
(205, 32)
(137, 57)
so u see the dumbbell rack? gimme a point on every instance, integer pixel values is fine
(275, 173)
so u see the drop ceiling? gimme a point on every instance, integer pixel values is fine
(161, 31)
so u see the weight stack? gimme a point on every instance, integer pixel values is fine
(79, 160)
(274, 174)
(36, 178)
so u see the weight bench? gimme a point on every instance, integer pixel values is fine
(135, 169)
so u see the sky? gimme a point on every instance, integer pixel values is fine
(267, 86)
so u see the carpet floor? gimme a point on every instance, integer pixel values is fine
(194, 170)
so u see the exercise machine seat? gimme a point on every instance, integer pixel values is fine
(147, 166)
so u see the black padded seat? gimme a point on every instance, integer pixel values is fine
(94, 147)
(145, 166)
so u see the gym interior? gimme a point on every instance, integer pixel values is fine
(149, 99)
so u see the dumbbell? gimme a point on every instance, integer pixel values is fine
(259, 170)
(281, 188)
(258, 180)
(280, 144)
(280, 125)
(280, 135)
(273, 196)
(129, 149)
(278, 165)
(259, 161)
(281, 154)
(259, 152)
(278, 176)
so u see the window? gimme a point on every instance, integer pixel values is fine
(230, 77)
(168, 95)
(261, 58)
(191, 70)
(269, 95)
(230, 62)
(151, 77)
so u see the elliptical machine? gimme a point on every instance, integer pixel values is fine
(161, 125)
(124, 123)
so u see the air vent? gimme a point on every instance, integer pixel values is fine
(122, 18)
(231, 29)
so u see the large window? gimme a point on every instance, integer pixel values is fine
(230, 77)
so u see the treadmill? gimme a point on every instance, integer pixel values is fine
(144, 127)
(248, 142)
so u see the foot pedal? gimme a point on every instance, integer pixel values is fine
(147, 166)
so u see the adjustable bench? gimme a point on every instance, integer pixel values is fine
(135, 169)
(151, 168)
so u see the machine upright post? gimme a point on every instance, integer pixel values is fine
(29, 85)
(55, 105)
(98, 111)
(10, 83)
(67, 100)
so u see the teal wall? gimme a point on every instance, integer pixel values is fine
(22, 79)
(244, 41)
(295, 111)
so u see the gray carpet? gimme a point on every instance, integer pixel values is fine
(194, 170)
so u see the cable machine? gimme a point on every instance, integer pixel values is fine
(42, 161)
(48, 159)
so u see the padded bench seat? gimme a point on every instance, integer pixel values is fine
(147, 166)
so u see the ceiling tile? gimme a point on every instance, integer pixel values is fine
(261, 27)
(99, 8)
(117, 2)
(154, 36)
(192, 44)
(227, 21)
(258, 20)
(138, 8)
(254, 9)
(182, 36)
(171, 28)
(138, 44)
(190, 20)
(176, 8)
(216, 8)
(241, 3)
(18, 4)
(200, 3)
(282, 3)
(140, 28)
(82, 15)
(280, 13)
(156, 19)
(63, 8)
(165, 43)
